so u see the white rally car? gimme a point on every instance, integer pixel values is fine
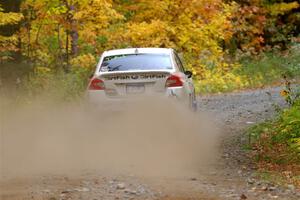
(128, 73)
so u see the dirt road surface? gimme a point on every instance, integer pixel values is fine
(230, 176)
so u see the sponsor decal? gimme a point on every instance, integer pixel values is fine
(135, 77)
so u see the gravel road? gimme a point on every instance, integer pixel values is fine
(230, 177)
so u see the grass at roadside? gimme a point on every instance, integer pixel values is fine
(254, 72)
(275, 144)
(286, 178)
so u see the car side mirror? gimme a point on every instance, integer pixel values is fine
(189, 74)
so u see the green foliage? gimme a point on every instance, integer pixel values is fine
(289, 129)
(252, 72)
(292, 62)
(278, 141)
(55, 85)
(275, 144)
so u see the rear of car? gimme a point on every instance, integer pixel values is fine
(129, 73)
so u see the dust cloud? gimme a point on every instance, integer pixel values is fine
(149, 137)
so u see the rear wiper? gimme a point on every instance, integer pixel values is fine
(114, 68)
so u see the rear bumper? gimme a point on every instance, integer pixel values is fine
(99, 99)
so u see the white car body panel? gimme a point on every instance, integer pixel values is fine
(121, 86)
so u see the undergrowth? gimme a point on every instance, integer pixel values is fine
(57, 85)
(253, 72)
(275, 144)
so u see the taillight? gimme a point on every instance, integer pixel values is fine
(96, 84)
(174, 81)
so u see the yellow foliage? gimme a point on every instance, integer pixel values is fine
(93, 17)
(281, 8)
(200, 26)
(150, 34)
(284, 93)
(55, 21)
(8, 43)
(9, 18)
(193, 27)
(219, 82)
(42, 70)
(42, 58)
(86, 61)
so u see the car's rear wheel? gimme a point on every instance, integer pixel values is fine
(193, 103)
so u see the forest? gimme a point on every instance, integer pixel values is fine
(51, 47)
(222, 42)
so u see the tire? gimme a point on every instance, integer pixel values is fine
(193, 103)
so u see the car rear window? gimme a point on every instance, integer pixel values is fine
(136, 62)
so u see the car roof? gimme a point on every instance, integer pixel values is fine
(137, 51)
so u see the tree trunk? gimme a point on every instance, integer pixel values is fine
(74, 33)
(67, 48)
(60, 55)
